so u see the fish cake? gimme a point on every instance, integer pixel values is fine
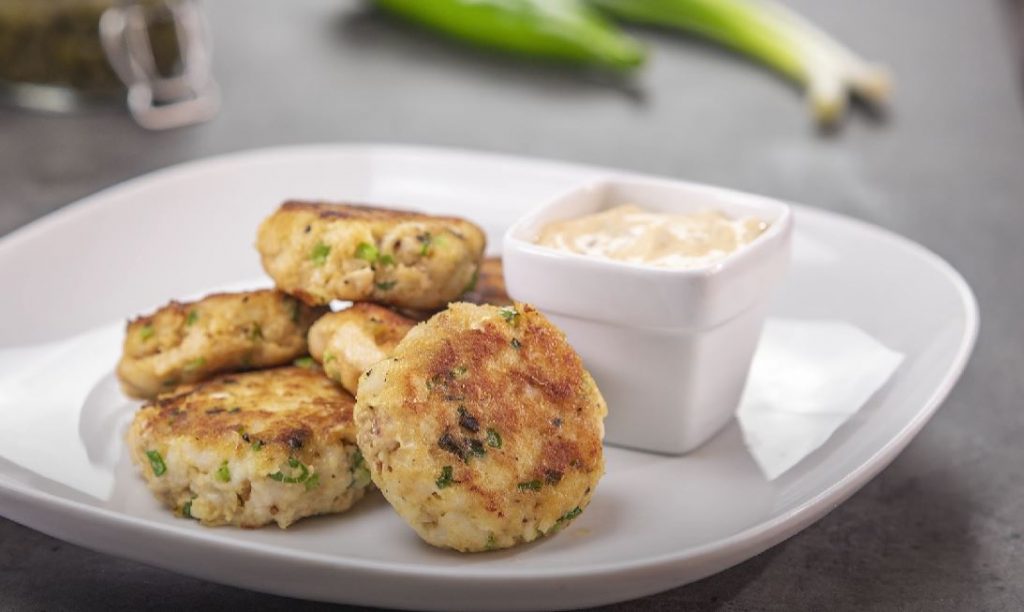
(321, 252)
(483, 430)
(348, 342)
(251, 449)
(186, 342)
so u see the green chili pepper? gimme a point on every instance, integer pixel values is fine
(565, 30)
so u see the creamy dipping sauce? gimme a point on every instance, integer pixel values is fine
(665, 240)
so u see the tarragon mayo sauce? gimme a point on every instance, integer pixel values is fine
(665, 240)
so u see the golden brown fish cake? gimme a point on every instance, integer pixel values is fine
(251, 449)
(321, 252)
(483, 430)
(348, 342)
(186, 342)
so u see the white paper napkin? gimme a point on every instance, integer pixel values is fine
(808, 378)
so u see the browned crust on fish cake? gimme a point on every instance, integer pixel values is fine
(468, 372)
(186, 342)
(252, 448)
(314, 407)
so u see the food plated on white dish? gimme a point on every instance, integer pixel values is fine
(714, 508)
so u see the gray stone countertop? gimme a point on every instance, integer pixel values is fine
(941, 529)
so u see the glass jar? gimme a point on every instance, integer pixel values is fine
(62, 55)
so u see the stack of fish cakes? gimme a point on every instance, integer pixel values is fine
(478, 423)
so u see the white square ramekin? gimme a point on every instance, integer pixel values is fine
(669, 349)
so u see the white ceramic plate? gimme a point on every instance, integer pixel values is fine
(655, 523)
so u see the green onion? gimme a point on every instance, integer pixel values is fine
(492, 543)
(195, 364)
(476, 448)
(386, 285)
(305, 362)
(146, 332)
(445, 479)
(156, 462)
(776, 36)
(329, 357)
(186, 510)
(193, 316)
(293, 305)
(224, 472)
(313, 482)
(256, 333)
(386, 260)
(360, 472)
(319, 254)
(531, 485)
(257, 445)
(367, 252)
(493, 439)
(294, 464)
(568, 516)
(425, 247)
(509, 313)
(471, 285)
(565, 30)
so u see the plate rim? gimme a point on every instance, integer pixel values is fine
(759, 536)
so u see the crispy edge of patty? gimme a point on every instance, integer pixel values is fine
(252, 448)
(186, 342)
(487, 411)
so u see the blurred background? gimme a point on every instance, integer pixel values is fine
(941, 161)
